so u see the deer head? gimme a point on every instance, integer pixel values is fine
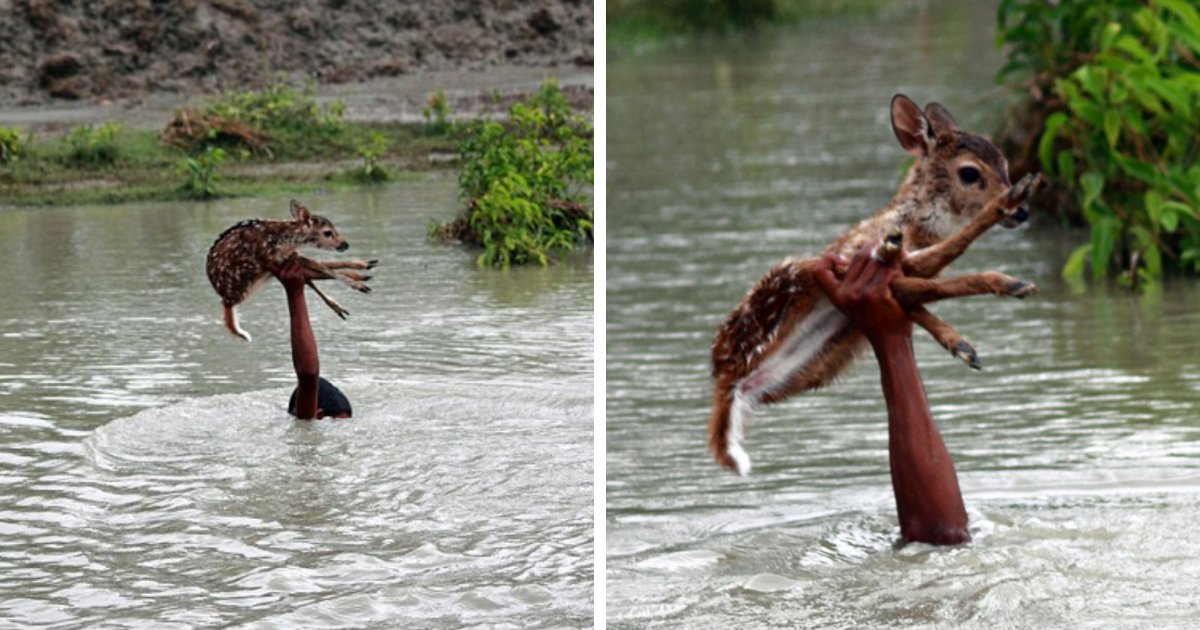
(316, 231)
(955, 173)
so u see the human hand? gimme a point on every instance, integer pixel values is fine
(863, 294)
(290, 274)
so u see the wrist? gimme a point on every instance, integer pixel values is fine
(890, 344)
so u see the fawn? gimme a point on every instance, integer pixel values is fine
(785, 337)
(245, 254)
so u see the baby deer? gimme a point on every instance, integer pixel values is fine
(245, 254)
(785, 337)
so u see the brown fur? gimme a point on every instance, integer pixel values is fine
(937, 212)
(245, 254)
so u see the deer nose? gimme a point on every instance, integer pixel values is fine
(343, 247)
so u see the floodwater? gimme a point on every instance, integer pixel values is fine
(1077, 446)
(151, 477)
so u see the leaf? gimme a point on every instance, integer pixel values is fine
(1049, 135)
(1153, 202)
(1066, 166)
(1104, 240)
(1093, 184)
(1112, 127)
(1073, 270)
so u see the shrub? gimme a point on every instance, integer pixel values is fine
(279, 107)
(94, 146)
(11, 145)
(371, 172)
(1116, 96)
(520, 181)
(200, 173)
(437, 114)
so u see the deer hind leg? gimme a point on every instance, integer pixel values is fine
(946, 335)
(330, 302)
(930, 261)
(916, 291)
(319, 271)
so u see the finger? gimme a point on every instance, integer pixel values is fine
(826, 280)
(859, 262)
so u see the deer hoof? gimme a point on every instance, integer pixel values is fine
(1023, 189)
(371, 263)
(965, 353)
(1021, 289)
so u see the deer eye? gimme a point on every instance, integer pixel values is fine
(327, 233)
(968, 174)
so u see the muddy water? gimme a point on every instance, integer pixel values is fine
(150, 475)
(1078, 446)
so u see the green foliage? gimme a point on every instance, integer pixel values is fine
(371, 172)
(11, 145)
(437, 114)
(1120, 88)
(94, 146)
(200, 173)
(279, 108)
(521, 182)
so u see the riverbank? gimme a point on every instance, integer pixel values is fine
(412, 140)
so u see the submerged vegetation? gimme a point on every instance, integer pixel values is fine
(1114, 91)
(522, 182)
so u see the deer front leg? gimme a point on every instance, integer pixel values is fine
(930, 261)
(912, 292)
(945, 335)
(318, 271)
(350, 264)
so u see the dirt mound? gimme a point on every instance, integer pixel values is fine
(121, 49)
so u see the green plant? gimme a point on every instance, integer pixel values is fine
(11, 145)
(437, 114)
(1116, 87)
(94, 146)
(200, 173)
(521, 182)
(371, 172)
(279, 107)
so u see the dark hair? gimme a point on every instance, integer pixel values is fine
(330, 400)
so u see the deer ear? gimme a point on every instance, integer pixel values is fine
(910, 126)
(940, 120)
(299, 212)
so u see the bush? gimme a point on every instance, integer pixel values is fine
(200, 173)
(437, 114)
(520, 181)
(279, 107)
(1115, 98)
(11, 145)
(94, 146)
(371, 172)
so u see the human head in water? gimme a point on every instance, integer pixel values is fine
(331, 402)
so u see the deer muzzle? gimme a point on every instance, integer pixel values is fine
(343, 247)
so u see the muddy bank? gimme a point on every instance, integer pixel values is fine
(114, 50)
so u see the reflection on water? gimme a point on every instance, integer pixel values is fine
(1076, 446)
(149, 472)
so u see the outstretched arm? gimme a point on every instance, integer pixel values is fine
(304, 346)
(928, 499)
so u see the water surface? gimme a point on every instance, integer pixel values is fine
(1077, 447)
(150, 475)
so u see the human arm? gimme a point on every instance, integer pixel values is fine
(304, 345)
(928, 498)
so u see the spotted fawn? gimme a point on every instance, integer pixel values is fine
(244, 255)
(785, 337)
